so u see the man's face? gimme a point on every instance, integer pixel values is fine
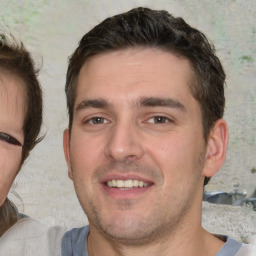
(136, 151)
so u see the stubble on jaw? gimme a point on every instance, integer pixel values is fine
(107, 229)
(146, 230)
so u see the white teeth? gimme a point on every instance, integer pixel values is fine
(135, 183)
(126, 183)
(120, 183)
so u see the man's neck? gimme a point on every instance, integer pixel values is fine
(198, 243)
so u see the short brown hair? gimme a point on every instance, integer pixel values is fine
(15, 60)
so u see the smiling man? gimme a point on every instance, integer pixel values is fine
(145, 94)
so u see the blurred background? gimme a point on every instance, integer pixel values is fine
(51, 29)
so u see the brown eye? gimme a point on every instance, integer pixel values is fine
(159, 120)
(97, 120)
(9, 139)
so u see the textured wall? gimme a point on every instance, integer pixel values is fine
(51, 29)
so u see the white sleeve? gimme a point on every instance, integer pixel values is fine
(29, 237)
(247, 250)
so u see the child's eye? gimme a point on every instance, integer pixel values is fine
(9, 139)
(159, 120)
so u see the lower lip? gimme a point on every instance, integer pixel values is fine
(124, 192)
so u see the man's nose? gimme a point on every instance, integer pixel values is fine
(124, 142)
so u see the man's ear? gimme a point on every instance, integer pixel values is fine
(216, 148)
(66, 141)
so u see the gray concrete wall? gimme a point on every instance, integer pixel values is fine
(51, 30)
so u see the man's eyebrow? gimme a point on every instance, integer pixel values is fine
(95, 103)
(160, 102)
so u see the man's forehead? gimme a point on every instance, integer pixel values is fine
(112, 67)
(131, 56)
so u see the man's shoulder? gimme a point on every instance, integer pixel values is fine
(76, 235)
(75, 240)
(230, 248)
(235, 248)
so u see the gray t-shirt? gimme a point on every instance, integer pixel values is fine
(74, 243)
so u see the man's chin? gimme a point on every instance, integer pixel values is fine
(127, 230)
(128, 237)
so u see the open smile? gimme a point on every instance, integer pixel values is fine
(126, 184)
